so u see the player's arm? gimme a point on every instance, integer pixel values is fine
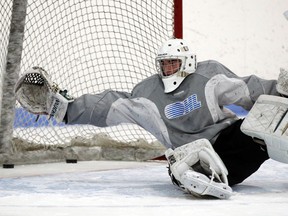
(93, 108)
(242, 91)
(37, 94)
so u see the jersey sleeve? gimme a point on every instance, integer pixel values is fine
(93, 108)
(225, 88)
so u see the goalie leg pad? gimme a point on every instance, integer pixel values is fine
(199, 170)
(267, 121)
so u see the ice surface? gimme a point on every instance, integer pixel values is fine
(137, 189)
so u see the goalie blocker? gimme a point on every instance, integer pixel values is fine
(39, 95)
(267, 123)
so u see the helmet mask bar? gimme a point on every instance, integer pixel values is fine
(168, 66)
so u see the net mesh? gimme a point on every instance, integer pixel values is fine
(5, 14)
(88, 46)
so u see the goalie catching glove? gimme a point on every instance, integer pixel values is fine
(39, 95)
(197, 169)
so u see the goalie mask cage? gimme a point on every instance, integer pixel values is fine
(87, 46)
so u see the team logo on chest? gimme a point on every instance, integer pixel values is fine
(182, 108)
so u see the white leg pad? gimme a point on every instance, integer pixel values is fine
(268, 121)
(199, 184)
(199, 170)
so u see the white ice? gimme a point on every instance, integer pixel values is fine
(131, 188)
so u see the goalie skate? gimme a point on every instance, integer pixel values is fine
(200, 185)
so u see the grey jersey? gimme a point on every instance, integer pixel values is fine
(194, 110)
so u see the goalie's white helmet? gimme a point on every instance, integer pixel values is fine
(174, 62)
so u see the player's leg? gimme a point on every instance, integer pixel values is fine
(266, 135)
(238, 151)
(197, 169)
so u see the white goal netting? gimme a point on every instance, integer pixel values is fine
(87, 46)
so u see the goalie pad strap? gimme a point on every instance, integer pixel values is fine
(210, 160)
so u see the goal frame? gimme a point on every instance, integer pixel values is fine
(12, 67)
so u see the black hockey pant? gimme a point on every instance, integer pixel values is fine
(240, 154)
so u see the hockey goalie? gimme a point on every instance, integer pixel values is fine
(209, 149)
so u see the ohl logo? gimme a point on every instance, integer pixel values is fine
(182, 108)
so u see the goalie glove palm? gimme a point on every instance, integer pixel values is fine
(39, 95)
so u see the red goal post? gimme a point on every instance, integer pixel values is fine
(87, 46)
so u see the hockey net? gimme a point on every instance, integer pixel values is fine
(87, 46)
